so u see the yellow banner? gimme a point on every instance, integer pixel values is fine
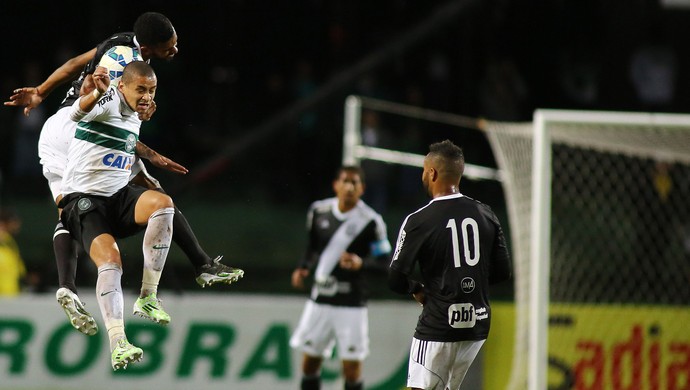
(601, 347)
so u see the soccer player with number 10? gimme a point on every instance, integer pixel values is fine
(460, 247)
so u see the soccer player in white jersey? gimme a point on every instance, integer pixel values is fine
(154, 37)
(460, 248)
(99, 205)
(346, 238)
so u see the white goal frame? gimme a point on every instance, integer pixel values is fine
(540, 258)
(354, 150)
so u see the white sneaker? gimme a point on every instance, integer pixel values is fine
(80, 319)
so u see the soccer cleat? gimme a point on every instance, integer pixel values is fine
(150, 308)
(125, 353)
(80, 319)
(218, 273)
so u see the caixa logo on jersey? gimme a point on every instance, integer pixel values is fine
(117, 161)
(122, 161)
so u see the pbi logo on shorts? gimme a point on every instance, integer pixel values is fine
(117, 161)
(461, 315)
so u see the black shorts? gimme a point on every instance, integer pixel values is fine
(88, 216)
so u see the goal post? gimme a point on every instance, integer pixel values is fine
(539, 259)
(602, 277)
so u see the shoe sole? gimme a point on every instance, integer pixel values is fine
(210, 280)
(81, 322)
(130, 359)
(148, 317)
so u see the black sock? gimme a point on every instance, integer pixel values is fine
(184, 237)
(354, 386)
(311, 383)
(65, 257)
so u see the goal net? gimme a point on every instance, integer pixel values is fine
(600, 208)
(599, 217)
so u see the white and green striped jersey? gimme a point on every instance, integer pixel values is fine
(100, 156)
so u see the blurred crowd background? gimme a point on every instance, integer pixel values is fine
(253, 104)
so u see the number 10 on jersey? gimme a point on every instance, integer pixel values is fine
(470, 252)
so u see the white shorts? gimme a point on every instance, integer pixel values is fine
(322, 326)
(436, 365)
(53, 145)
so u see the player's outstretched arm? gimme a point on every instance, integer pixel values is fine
(32, 97)
(158, 159)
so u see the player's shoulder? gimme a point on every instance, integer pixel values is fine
(418, 216)
(322, 205)
(120, 39)
(367, 210)
(477, 202)
(483, 208)
(117, 39)
(368, 213)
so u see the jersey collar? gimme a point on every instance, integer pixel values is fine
(339, 215)
(136, 42)
(446, 197)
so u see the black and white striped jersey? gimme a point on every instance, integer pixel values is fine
(119, 39)
(460, 248)
(331, 233)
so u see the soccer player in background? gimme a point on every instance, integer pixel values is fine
(460, 248)
(154, 37)
(346, 238)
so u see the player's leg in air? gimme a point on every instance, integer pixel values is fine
(52, 149)
(208, 271)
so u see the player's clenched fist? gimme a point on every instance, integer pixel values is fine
(101, 79)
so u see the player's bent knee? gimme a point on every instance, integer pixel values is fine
(160, 200)
(149, 202)
(104, 250)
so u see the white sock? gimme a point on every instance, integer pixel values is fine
(156, 245)
(110, 301)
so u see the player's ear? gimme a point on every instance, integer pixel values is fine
(433, 174)
(145, 52)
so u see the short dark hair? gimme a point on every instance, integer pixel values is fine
(351, 169)
(137, 68)
(153, 29)
(450, 157)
